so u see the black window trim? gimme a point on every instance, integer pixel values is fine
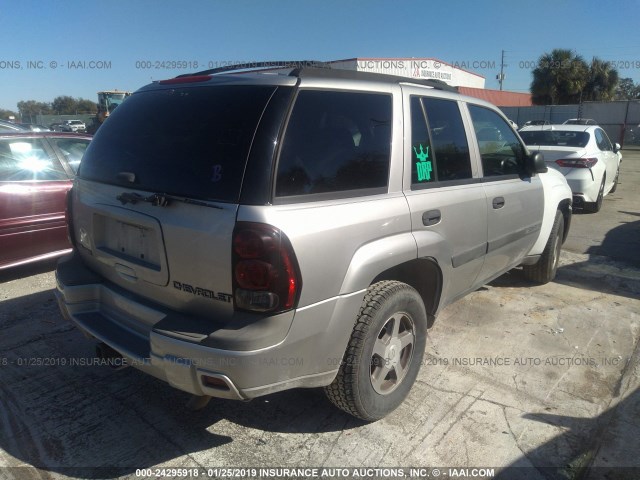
(272, 123)
(442, 183)
(425, 117)
(445, 183)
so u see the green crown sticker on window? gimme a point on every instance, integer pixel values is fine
(423, 166)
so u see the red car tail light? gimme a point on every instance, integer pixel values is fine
(266, 277)
(577, 162)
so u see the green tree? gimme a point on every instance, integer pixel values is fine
(559, 78)
(86, 106)
(5, 114)
(602, 81)
(64, 105)
(627, 90)
(31, 108)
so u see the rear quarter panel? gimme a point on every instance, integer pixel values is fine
(331, 238)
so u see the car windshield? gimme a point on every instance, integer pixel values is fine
(556, 138)
(186, 141)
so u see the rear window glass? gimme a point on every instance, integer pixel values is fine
(181, 141)
(556, 138)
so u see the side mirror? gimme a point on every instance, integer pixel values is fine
(536, 163)
(616, 147)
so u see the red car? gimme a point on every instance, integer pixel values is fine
(36, 171)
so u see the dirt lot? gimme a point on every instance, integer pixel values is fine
(536, 382)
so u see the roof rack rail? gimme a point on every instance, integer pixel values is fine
(355, 75)
(316, 68)
(297, 64)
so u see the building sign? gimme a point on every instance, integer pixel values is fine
(413, 68)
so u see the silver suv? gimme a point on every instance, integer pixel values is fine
(298, 229)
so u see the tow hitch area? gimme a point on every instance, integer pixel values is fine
(110, 356)
(198, 402)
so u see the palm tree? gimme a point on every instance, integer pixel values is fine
(602, 83)
(559, 78)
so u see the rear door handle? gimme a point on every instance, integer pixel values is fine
(498, 202)
(432, 217)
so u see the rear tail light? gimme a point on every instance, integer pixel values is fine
(577, 162)
(266, 277)
(68, 216)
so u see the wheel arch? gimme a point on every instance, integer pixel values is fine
(422, 274)
(565, 208)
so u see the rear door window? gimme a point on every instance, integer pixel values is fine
(336, 142)
(189, 141)
(439, 142)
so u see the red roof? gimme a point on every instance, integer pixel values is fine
(499, 98)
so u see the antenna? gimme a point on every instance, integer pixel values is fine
(500, 77)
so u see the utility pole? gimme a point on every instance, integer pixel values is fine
(500, 77)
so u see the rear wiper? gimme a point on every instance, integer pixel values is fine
(160, 200)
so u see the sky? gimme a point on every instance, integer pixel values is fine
(79, 47)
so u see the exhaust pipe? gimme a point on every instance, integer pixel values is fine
(110, 357)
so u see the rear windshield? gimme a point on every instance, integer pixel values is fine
(183, 141)
(556, 138)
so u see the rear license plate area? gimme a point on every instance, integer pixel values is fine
(126, 241)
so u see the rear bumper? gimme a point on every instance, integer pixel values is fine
(307, 353)
(583, 187)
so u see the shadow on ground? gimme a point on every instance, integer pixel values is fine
(62, 413)
(621, 243)
(611, 453)
(619, 276)
(24, 271)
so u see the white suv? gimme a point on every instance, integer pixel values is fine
(74, 126)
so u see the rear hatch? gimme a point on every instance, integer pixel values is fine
(155, 202)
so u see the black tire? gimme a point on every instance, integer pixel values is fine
(545, 269)
(615, 181)
(388, 339)
(594, 207)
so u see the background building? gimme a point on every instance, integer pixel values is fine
(423, 68)
(500, 98)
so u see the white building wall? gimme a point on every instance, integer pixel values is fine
(423, 68)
